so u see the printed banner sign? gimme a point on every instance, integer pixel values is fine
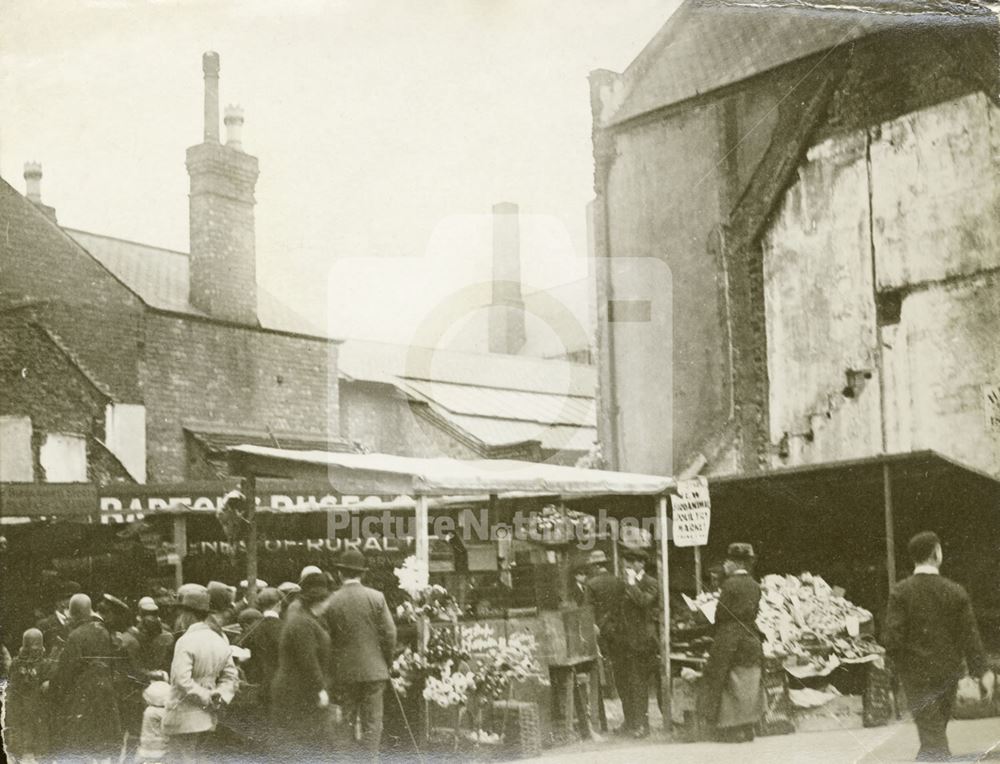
(692, 512)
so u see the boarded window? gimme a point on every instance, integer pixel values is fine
(64, 458)
(16, 462)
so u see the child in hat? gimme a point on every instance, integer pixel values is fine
(152, 739)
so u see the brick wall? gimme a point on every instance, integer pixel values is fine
(234, 377)
(87, 307)
(40, 382)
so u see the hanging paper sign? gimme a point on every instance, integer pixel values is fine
(692, 512)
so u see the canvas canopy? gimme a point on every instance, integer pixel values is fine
(386, 473)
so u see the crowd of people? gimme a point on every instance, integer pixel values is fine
(298, 676)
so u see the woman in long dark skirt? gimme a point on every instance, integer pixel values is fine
(732, 691)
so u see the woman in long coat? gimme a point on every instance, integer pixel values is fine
(203, 680)
(732, 693)
(300, 691)
(83, 687)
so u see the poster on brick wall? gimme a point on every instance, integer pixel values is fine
(692, 512)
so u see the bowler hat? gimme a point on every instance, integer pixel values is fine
(195, 597)
(740, 551)
(634, 553)
(315, 587)
(352, 560)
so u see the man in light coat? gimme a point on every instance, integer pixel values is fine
(363, 636)
(203, 679)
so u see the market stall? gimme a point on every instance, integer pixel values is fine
(512, 657)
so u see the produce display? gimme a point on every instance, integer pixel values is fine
(801, 619)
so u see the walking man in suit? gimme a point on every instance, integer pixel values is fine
(930, 630)
(364, 638)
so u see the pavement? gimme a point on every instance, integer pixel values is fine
(971, 741)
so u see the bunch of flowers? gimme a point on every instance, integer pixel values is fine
(557, 524)
(411, 668)
(427, 599)
(413, 576)
(500, 661)
(407, 669)
(451, 688)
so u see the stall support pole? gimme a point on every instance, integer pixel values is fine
(421, 538)
(665, 677)
(250, 492)
(890, 530)
(180, 548)
(697, 570)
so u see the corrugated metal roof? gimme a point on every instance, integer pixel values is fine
(502, 432)
(385, 362)
(708, 44)
(547, 408)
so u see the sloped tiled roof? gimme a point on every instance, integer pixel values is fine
(160, 277)
(708, 44)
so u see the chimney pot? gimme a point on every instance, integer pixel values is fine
(33, 181)
(210, 68)
(234, 127)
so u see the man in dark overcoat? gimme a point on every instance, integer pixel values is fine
(634, 644)
(930, 632)
(83, 688)
(364, 640)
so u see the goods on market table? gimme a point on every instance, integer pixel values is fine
(801, 617)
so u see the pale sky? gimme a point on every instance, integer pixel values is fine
(380, 127)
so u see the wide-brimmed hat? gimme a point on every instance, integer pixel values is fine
(195, 597)
(352, 560)
(740, 552)
(597, 557)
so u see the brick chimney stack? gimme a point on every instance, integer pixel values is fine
(33, 188)
(506, 317)
(223, 177)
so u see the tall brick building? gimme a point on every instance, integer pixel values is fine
(821, 185)
(125, 361)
